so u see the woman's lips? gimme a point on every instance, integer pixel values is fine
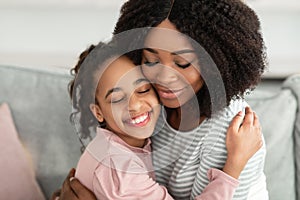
(169, 94)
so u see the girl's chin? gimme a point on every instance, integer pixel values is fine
(140, 133)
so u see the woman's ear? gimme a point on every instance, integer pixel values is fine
(97, 112)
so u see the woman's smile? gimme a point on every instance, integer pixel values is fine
(169, 93)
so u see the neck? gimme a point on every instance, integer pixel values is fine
(134, 142)
(186, 117)
(131, 141)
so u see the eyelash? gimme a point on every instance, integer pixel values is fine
(117, 101)
(184, 66)
(144, 91)
(151, 64)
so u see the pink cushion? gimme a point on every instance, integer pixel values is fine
(17, 176)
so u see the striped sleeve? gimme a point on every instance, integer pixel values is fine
(214, 154)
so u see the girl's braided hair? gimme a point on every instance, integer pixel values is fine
(82, 88)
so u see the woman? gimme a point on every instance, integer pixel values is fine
(190, 141)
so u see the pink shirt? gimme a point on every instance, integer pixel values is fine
(114, 170)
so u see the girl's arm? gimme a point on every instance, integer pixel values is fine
(243, 140)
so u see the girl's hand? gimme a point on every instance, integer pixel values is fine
(243, 140)
(72, 189)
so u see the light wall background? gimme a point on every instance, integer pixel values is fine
(41, 33)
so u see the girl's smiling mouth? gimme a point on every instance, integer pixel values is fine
(140, 120)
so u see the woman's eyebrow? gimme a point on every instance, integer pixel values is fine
(151, 50)
(183, 51)
(173, 53)
(112, 90)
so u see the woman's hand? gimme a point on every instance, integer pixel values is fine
(72, 189)
(243, 140)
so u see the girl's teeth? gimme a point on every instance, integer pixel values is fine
(139, 119)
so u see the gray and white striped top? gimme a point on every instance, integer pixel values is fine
(182, 159)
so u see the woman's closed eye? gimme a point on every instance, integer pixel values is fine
(183, 66)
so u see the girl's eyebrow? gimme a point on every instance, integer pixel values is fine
(117, 89)
(173, 53)
(140, 80)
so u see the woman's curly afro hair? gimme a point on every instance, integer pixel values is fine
(227, 29)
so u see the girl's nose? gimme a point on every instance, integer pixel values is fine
(135, 103)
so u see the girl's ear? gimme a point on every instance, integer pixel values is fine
(97, 112)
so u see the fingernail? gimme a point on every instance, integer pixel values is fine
(240, 113)
(72, 178)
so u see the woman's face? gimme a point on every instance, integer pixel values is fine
(170, 63)
(127, 101)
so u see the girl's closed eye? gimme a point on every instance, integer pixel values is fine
(150, 63)
(117, 98)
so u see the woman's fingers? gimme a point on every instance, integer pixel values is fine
(81, 191)
(56, 195)
(66, 184)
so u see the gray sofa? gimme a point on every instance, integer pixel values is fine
(40, 107)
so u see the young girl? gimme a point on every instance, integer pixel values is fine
(111, 92)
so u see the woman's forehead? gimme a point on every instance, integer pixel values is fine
(167, 39)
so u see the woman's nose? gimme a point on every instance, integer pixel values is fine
(166, 75)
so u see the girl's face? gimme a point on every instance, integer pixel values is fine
(126, 102)
(170, 63)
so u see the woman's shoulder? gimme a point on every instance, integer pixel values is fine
(217, 126)
(235, 105)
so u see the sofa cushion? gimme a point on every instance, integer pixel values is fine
(293, 83)
(17, 175)
(40, 105)
(277, 114)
